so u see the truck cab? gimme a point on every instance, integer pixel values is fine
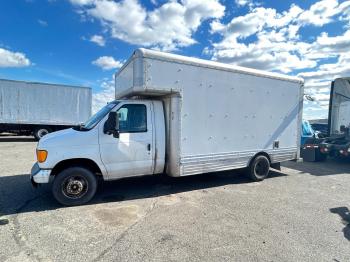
(125, 138)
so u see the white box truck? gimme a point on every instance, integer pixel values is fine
(28, 108)
(180, 116)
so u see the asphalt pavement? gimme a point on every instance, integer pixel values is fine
(298, 214)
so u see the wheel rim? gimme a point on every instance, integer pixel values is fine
(42, 132)
(261, 168)
(74, 187)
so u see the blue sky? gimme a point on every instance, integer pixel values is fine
(83, 42)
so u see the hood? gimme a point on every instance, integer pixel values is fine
(69, 137)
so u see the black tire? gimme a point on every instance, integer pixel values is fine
(258, 168)
(74, 186)
(40, 132)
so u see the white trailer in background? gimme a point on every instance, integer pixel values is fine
(180, 116)
(39, 108)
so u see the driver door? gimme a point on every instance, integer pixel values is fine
(132, 153)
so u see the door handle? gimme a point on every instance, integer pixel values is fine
(149, 147)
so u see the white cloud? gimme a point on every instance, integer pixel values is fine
(98, 39)
(251, 23)
(107, 63)
(81, 2)
(320, 13)
(270, 52)
(42, 23)
(101, 98)
(276, 47)
(13, 59)
(345, 12)
(327, 72)
(169, 26)
(318, 82)
(242, 2)
(250, 3)
(255, 21)
(326, 46)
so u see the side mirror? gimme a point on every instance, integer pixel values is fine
(111, 126)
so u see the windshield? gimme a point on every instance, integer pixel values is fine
(96, 118)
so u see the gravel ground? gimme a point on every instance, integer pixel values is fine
(299, 214)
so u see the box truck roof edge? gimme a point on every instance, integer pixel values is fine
(148, 53)
(44, 83)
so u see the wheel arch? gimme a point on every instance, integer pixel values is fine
(261, 153)
(77, 162)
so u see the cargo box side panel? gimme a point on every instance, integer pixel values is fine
(8, 102)
(228, 117)
(34, 103)
(163, 77)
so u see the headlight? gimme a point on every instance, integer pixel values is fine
(41, 155)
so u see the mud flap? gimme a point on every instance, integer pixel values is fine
(312, 153)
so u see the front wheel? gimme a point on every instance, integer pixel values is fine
(74, 186)
(259, 168)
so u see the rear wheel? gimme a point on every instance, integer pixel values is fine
(74, 186)
(41, 131)
(259, 168)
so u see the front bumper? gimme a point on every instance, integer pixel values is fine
(39, 176)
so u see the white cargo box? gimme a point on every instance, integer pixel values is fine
(218, 116)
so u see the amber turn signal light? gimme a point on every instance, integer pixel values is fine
(41, 155)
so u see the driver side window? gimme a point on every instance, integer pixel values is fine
(132, 118)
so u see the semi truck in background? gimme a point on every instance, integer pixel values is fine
(179, 116)
(336, 143)
(28, 108)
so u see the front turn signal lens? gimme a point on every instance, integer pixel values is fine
(41, 155)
